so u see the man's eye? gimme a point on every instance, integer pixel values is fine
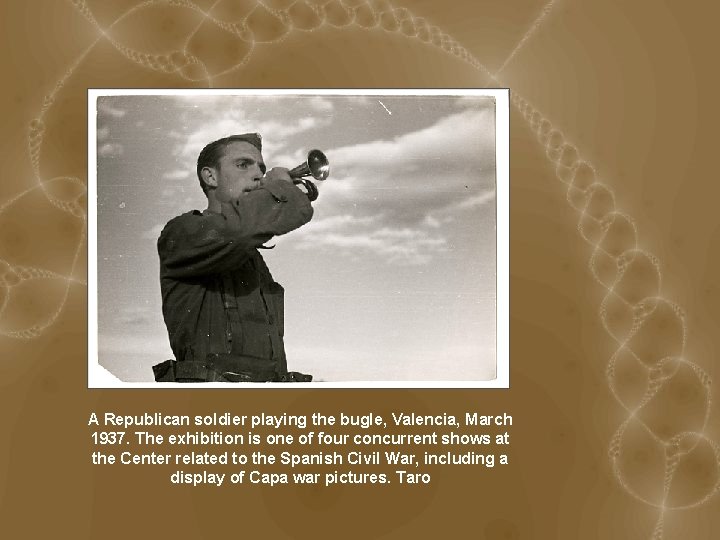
(243, 165)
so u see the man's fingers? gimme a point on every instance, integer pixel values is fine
(279, 173)
(312, 190)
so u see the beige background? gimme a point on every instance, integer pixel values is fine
(631, 87)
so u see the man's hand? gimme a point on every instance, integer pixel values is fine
(311, 190)
(306, 186)
(279, 173)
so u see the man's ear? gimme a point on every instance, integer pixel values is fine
(209, 176)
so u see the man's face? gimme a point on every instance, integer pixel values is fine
(238, 171)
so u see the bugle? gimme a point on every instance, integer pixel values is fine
(316, 165)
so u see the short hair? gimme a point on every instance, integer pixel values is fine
(211, 154)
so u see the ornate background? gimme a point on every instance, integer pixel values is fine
(614, 256)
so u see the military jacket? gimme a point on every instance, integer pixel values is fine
(218, 295)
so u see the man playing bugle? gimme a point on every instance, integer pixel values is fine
(222, 308)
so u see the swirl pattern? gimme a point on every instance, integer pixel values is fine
(661, 453)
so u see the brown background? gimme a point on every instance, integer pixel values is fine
(631, 86)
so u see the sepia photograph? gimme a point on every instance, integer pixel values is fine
(320, 238)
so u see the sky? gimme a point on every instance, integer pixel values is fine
(394, 277)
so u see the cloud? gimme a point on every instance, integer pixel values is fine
(177, 174)
(132, 344)
(357, 236)
(233, 121)
(427, 169)
(153, 233)
(273, 132)
(106, 109)
(440, 217)
(458, 142)
(169, 192)
(360, 99)
(433, 222)
(103, 133)
(405, 246)
(470, 203)
(476, 201)
(475, 102)
(276, 118)
(335, 222)
(135, 316)
(399, 199)
(111, 150)
(175, 195)
(321, 104)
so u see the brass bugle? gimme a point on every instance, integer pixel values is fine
(316, 165)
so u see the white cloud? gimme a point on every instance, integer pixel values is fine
(433, 222)
(421, 170)
(459, 143)
(335, 222)
(475, 102)
(177, 174)
(359, 99)
(274, 131)
(321, 104)
(469, 203)
(360, 235)
(111, 150)
(404, 246)
(419, 180)
(477, 200)
(103, 133)
(168, 193)
(232, 121)
(440, 217)
(153, 233)
(132, 343)
(105, 108)
(398, 198)
(135, 315)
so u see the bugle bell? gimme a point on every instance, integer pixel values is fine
(316, 165)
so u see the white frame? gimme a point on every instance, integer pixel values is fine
(99, 377)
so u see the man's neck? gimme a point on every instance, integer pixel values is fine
(214, 205)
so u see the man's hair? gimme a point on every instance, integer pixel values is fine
(211, 154)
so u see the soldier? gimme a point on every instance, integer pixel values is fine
(222, 308)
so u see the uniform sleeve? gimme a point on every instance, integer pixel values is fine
(278, 207)
(201, 244)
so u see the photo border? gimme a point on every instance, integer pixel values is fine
(99, 377)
